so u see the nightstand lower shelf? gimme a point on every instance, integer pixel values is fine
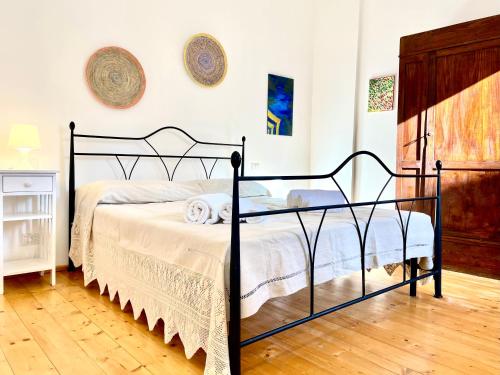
(15, 267)
(27, 216)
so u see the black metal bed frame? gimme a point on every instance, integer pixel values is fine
(235, 343)
(138, 156)
(237, 161)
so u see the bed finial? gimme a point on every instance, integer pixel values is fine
(439, 165)
(236, 159)
(243, 139)
(72, 125)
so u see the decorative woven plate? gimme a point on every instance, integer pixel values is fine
(115, 77)
(205, 60)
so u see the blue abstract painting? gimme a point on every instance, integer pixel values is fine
(279, 105)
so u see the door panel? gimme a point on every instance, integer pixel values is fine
(490, 98)
(458, 124)
(466, 115)
(411, 124)
(412, 108)
(470, 203)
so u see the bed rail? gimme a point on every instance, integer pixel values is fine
(153, 154)
(235, 343)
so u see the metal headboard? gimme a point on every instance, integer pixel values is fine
(137, 156)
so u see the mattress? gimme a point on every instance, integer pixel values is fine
(274, 254)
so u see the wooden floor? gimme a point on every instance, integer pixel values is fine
(70, 329)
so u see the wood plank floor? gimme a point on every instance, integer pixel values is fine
(70, 329)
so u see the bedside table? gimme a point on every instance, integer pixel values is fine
(27, 222)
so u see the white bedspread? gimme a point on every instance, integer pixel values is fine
(179, 272)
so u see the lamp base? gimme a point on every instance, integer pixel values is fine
(26, 162)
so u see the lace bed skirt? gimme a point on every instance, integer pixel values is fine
(189, 304)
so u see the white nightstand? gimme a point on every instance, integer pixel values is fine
(27, 222)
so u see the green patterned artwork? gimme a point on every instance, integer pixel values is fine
(381, 94)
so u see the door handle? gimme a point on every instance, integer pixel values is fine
(428, 134)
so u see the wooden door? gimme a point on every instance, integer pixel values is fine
(460, 125)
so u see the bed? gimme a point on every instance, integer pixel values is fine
(132, 238)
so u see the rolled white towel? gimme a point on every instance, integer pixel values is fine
(246, 206)
(300, 198)
(205, 208)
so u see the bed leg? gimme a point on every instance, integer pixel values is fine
(71, 195)
(437, 286)
(438, 249)
(413, 274)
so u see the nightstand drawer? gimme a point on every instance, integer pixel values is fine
(12, 184)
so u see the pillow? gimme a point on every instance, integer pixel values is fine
(225, 185)
(120, 191)
(314, 197)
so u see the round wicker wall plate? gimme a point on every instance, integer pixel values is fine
(115, 77)
(205, 60)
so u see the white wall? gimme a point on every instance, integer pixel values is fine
(334, 88)
(45, 45)
(383, 23)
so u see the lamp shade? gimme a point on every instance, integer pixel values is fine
(24, 138)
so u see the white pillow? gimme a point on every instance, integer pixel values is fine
(225, 185)
(121, 191)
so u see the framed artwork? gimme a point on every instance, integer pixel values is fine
(381, 94)
(279, 105)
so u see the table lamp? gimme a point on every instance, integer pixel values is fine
(24, 138)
